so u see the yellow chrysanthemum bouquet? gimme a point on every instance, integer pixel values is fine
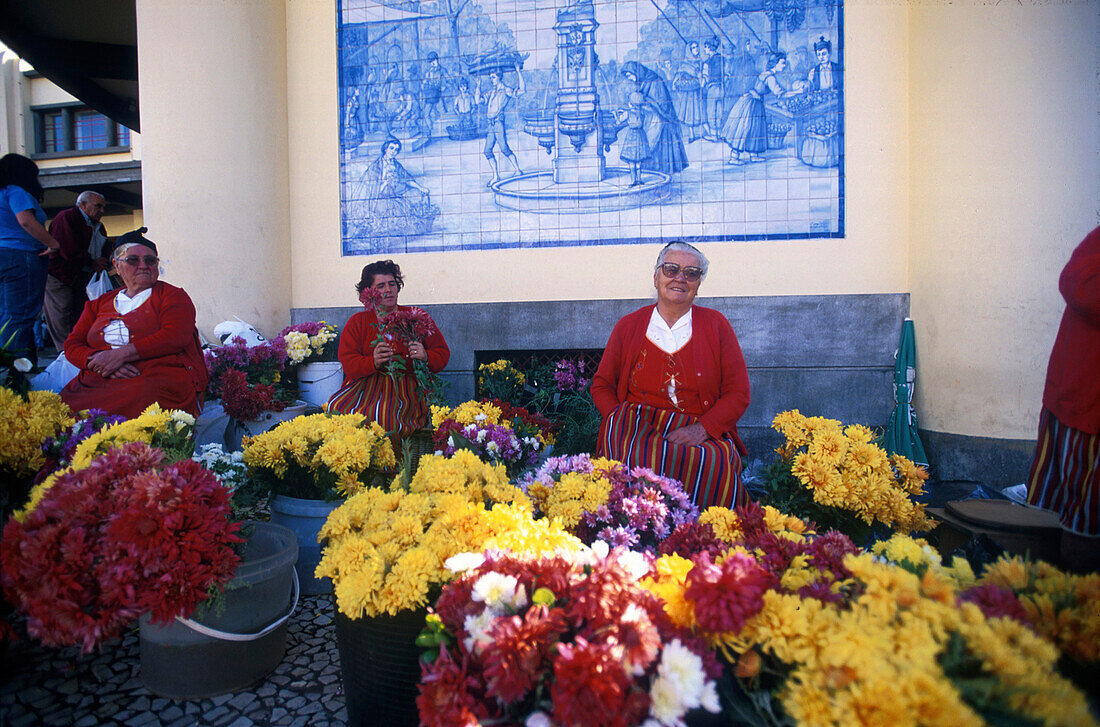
(169, 430)
(816, 632)
(318, 457)
(24, 425)
(385, 549)
(839, 478)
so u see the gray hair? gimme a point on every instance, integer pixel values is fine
(86, 196)
(679, 246)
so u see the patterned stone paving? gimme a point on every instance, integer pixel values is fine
(60, 687)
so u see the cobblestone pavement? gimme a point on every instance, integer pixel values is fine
(59, 687)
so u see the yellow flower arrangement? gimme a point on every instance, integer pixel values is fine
(319, 456)
(500, 380)
(515, 528)
(1063, 607)
(897, 640)
(170, 430)
(468, 412)
(25, 425)
(386, 550)
(845, 472)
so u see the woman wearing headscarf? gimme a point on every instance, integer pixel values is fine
(672, 384)
(666, 143)
(136, 345)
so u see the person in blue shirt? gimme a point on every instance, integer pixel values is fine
(25, 245)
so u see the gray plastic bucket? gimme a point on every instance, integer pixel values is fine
(242, 639)
(305, 518)
(318, 381)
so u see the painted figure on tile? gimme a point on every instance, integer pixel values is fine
(353, 129)
(498, 100)
(431, 91)
(635, 145)
(688, 85)
(395, 203)
(662, 128)
(465, 106)
(746, 127)
(826, 74)
(714, 88)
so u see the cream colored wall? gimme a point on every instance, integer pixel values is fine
(872, 258)
(1005, 154)
(215, 178)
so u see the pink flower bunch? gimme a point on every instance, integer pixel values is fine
(561, 640)
(642, 510)
(310, 328)
(123, 537)
(490, 442)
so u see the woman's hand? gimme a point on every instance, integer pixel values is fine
(125, 371)
(691, 435)
(110, 362)
(417, 351)
(383, 354)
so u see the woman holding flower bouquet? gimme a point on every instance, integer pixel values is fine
(380, 350)
(672, 384)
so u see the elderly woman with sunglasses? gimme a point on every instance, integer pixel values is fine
(672, 384)
(138, 344)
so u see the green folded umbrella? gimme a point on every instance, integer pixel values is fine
(901, 435)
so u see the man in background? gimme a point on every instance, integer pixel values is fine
(82, 253)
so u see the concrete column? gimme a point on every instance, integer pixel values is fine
(215, 169)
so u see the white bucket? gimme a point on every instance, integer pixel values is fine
(318, 381)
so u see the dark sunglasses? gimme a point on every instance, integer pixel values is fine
(671, 270)
(133, 260)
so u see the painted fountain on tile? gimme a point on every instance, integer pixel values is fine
(526, 123)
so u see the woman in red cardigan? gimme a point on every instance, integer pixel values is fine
(1065, 474)
(136, 345)
(672, 384)
(368, 387)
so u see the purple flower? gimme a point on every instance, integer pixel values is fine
(569, 375)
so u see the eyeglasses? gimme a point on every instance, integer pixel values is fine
(133, 260)
(671, 270)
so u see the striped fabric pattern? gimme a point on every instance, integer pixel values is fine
(1065, 475)
(392, 403)
(634, 434)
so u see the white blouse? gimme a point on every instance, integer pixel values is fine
(115, 333)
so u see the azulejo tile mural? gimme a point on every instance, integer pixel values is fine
(473, 124)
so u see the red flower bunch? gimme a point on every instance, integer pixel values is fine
(996, 602)
(568, 640)
(123, 537)
(691, 538)
(408, 325)
(242, 400)
(727, 595)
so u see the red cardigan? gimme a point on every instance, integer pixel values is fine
(1072, 390)
(723, 377)
(71, 230)
(356, 351)
(172, 368)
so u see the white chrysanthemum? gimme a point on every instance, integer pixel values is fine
(481, 435)
(499, 590)
(492, 447)
(477, 630)
(463, 562)
(637, 564)
(538, 719)
(22, 365)
(681, 671)
(664, 702)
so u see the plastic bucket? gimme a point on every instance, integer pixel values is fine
(318, 381)
(270, 419)
(250, 620)
(380, 667)
(305, 518)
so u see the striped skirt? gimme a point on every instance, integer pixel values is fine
(393, 403)
(1065, 475)
(634, 434)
